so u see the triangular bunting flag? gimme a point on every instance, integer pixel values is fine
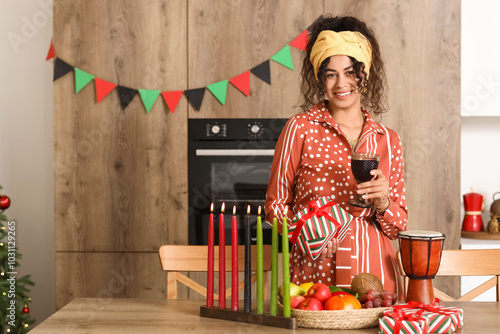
(126, 95)
(310, 27)
(61, 68)
(284, 57)
(81, 79)
(52, 52)
(103, 88)
(242, 82)
(300, 42)
(263, 71)
(172, 99)
(219, 90)
(195, 97)
(148, 97)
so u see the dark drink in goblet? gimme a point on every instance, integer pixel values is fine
(361, 165)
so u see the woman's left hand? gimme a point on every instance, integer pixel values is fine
(377, 190)
(329, 250)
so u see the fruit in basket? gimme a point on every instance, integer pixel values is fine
(319, 291)
(342, 301)
(363, 282)
(295, 290)
(334, 288)
(306, 286)
(296, 300)
(374, 299)
(311, 304)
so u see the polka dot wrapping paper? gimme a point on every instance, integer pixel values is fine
(313, 227)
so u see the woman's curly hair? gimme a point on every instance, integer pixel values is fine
(372, 90)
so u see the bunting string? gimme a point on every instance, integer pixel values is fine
(194, 96)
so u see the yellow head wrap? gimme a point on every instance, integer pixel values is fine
(349, 43)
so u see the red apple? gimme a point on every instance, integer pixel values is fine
(319, 291)
(311, 304)
(296, 300)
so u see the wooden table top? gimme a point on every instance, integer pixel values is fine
(108, 316)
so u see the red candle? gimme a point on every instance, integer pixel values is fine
(210, 264)
(234, 267)
(222, 260)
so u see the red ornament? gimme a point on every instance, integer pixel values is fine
(26, 309)
(4, 202)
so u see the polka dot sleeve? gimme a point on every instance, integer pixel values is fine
(394, 219)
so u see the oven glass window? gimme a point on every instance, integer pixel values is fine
(239, 180)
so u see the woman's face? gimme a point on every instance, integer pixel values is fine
(341, 84)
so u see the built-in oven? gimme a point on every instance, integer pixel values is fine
(229, 162)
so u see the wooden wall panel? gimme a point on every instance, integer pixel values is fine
(108, 275)
(120, 175)
(420, 45)
(233, 37)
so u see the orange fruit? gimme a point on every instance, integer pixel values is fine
(342, 301)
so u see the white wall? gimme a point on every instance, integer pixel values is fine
(480, 155)
(26, 141)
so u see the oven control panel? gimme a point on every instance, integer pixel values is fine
(216, 129)
(229, 129)
(255, 129)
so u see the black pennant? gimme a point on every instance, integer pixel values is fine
(126, 95)
(195, 97)
(61, 68)
(310, 27)
(263, 71)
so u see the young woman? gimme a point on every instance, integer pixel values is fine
(342, 70)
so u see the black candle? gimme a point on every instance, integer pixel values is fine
(248, 259)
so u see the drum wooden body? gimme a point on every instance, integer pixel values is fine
(420, 256)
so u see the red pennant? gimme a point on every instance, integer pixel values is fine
(102, 88)
(172, 98)
(242, 82)
(300, 42)
(52, 52)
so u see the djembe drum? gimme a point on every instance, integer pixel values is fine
(421, 256)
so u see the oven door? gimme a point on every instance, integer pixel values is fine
(219, 172)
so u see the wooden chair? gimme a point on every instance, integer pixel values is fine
(176, 258)
(480, 262)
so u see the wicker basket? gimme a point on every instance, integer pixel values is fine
(342, 319)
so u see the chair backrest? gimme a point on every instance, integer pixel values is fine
(181, 258)
(469, 262)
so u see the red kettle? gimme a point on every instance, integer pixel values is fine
(474, 205)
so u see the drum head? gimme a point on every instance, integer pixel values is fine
(421, 234)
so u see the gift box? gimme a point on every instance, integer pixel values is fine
(440, 319)
(399, 322)
(313, 227)
(456, 316)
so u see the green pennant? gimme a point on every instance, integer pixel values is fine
(219, 89)
(284, 57)
(81, 79)
(148, 97)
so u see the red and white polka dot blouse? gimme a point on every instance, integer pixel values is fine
(312, 160)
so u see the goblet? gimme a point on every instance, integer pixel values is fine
(361, 165)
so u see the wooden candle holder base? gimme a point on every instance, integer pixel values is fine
(249, 318)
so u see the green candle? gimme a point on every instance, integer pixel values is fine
(286, 274)
(274, 268)
(260, 266)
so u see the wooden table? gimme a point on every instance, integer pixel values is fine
(108, 316)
